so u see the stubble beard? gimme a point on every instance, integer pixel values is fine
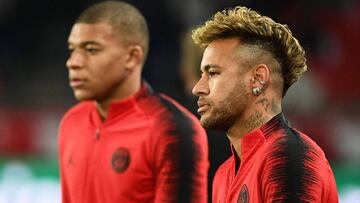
(224, 115)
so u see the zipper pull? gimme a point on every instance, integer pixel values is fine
(97, 133)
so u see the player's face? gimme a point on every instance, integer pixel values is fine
(96, 63)
(223, 86)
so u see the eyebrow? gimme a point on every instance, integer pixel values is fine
(208, 66)
(84, 44)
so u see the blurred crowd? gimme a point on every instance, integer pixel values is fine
(34, 90)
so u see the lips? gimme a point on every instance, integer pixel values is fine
(76, 82)
(203, 107)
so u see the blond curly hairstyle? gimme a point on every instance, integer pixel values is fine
(254, 29)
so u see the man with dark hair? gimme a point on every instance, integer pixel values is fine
(248, 64)
(123, 142)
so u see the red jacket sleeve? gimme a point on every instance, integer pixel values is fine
(297, 171)
(180, 155)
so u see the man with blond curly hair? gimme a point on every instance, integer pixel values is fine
(248, 64)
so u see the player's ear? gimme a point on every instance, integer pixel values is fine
(261, 73)
(135, 56)
(260, 78)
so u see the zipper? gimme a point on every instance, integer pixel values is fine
(97, 134)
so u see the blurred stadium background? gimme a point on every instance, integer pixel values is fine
(34, 91)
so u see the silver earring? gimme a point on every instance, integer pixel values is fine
(257, 91)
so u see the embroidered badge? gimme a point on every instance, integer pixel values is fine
(244, 195)
(120, 160)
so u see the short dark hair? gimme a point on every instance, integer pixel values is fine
(123, 17)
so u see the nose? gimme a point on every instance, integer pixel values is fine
(201, 87)
(75, 60)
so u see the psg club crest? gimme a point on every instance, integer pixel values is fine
(120, 160)
(244, 195)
